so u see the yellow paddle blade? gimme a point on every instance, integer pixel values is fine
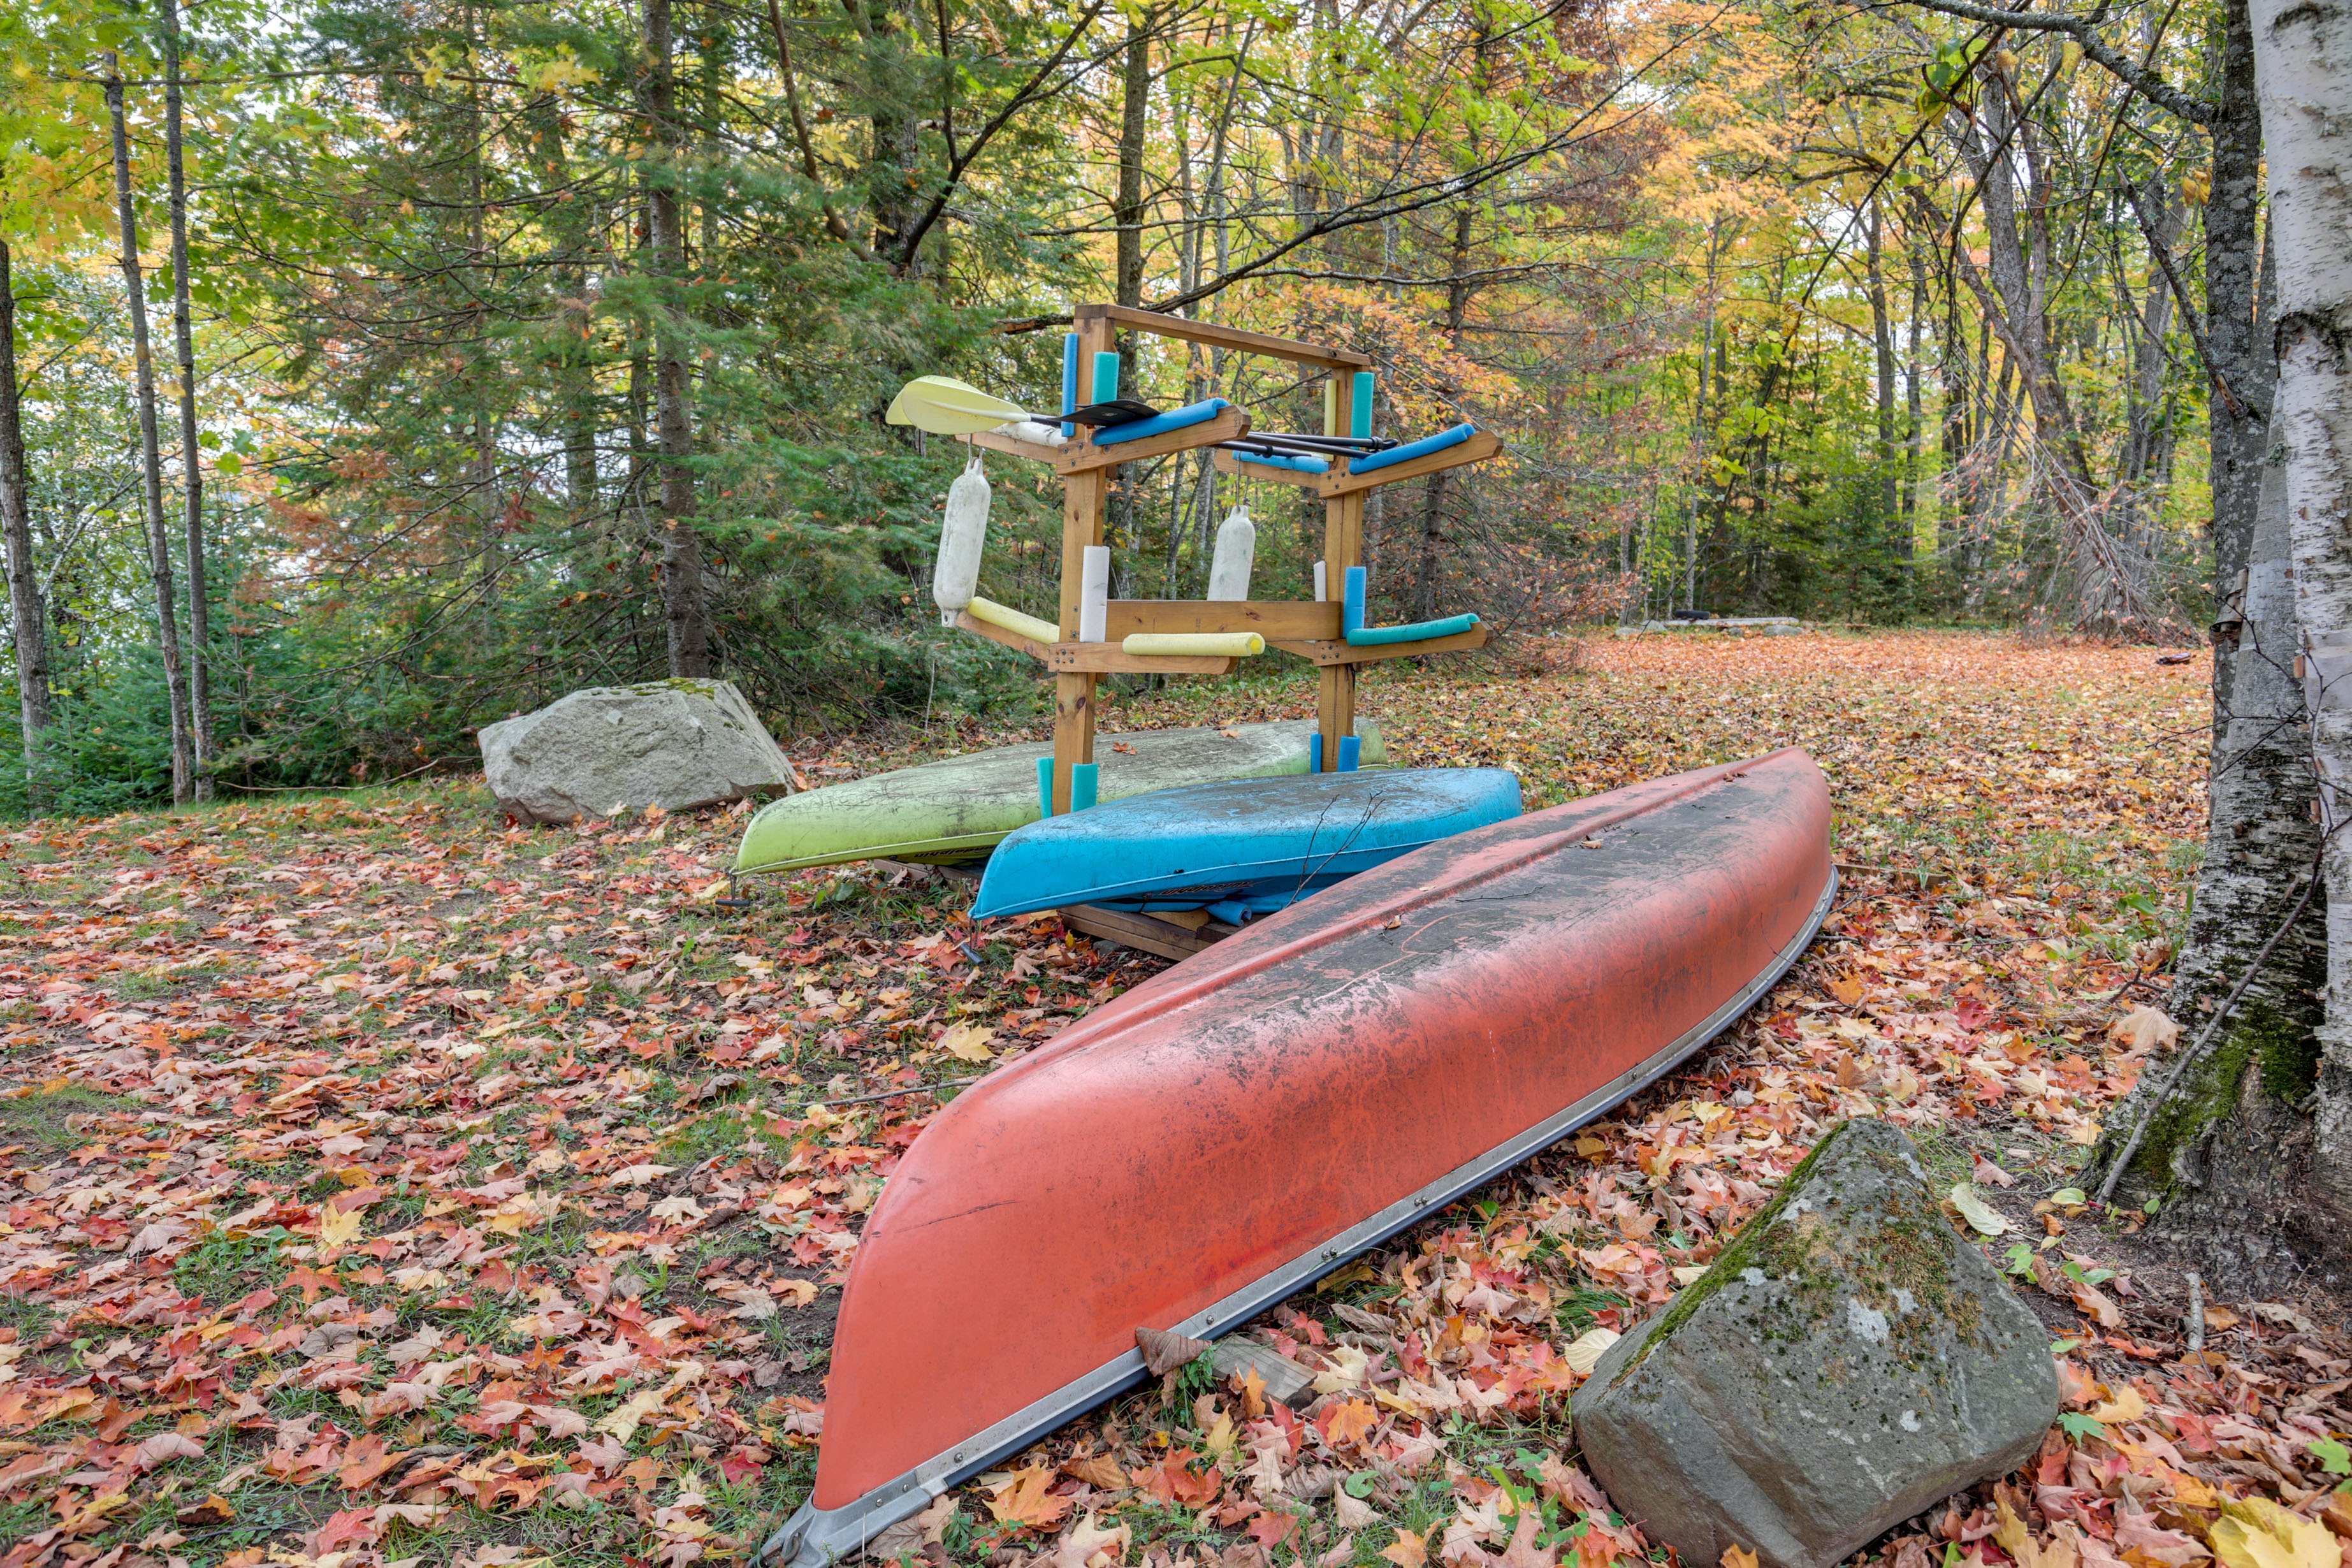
(946, 406)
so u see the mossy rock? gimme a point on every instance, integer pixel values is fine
(1849, 1360)
(676, 745)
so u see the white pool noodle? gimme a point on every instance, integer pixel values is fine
(1093, 592)
(963, 535)
(1236, 552)
(1319, 597)
(1032, 431)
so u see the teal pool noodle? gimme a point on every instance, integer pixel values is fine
(1351, 752)
(1315, 752)
(1069, 381)
(1379, 637)
(1411, 450)
(1359, 415)
(1106, 376)
(1044, 786)
(1082, 785)
(1352, 604)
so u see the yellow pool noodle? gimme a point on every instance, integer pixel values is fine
(1029, 627)
(1214, 644)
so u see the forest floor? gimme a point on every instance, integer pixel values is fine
(382, 1184)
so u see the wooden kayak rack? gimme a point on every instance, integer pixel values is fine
(1310, 628)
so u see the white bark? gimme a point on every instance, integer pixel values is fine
(2302, 63)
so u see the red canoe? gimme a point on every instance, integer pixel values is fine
(1214, 1139)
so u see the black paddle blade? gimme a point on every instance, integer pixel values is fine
(1117, 411)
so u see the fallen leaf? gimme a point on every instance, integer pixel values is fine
(2143, 1028)
(2258, 1534)
(1584, 1352)
(1024, 1500)
(1977, 1212)
(967, 1042)
(1408, 1551)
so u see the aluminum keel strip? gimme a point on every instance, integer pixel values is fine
(815, 1538)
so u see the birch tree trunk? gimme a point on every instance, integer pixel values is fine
(192, 474)
(2211, 1149)
(2303, 64)
(27, 614)
(159, 548)
(684, 597)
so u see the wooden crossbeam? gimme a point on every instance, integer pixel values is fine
(1210, 333)
(1085, 456)
(997, 441)
(1109, 658)
(1270, 619)
(1339, 482)
(1005, 635)
(1340, 653)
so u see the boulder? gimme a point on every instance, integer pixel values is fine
(675, 743)
(1848, 1362)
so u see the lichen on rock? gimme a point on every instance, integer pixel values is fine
(1849, 1360)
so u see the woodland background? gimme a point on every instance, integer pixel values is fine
(499, 350)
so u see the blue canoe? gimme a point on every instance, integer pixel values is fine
(1238, 848)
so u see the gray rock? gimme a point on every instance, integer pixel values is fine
(672, 743)
(1848, 1362)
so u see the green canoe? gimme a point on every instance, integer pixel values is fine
(959, 808)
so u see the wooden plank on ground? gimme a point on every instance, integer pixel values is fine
(1153, 935)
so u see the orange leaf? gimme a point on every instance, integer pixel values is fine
(1408, 1551)
(1349, 1423)
(367, 1457)
(1024, 1500)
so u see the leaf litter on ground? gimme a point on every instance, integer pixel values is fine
(386, 1182)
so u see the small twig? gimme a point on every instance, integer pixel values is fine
(2196, 1322)
(2181, 1067)
(886, 1094)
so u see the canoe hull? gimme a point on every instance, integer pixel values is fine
(959, 808)
(1184, 848)
(1196, 1150)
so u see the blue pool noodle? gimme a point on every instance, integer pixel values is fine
(1159, 425)
(1360, 409)
(1352, 604)
(1411, 450)
(1082, 785)
(1351, 752)
(1283, 460)
(1315, 752)
(1069, 381)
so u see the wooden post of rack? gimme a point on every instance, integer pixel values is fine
(1343, 546)
(1082, 525)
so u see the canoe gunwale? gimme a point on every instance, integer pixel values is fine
(815, 1538)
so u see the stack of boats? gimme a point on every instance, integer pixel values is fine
(1419, 986)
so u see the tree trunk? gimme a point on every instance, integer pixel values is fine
(159, 548)
(2303, 64)
(1891, 521)
(192, 476)
(25, 608)
(1441, 483)
(684, 602)
(1127, 220)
